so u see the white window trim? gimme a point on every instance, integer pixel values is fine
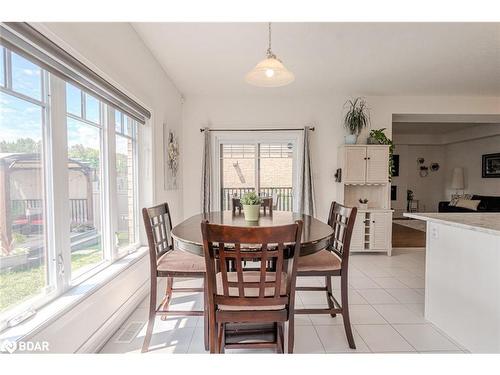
(253, 138)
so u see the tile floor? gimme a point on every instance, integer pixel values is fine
(386, 305)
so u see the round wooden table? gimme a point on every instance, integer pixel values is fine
(315, 234)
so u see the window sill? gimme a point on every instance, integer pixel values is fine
(76, 295)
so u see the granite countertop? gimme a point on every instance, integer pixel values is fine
(481, 222)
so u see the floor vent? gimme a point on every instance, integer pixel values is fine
(129, 333)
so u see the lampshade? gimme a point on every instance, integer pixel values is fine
(269, 73)
(457, 179)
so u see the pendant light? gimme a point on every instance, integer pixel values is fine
(270, 72)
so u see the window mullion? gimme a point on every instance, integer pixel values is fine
(58, 191)
(111, 190)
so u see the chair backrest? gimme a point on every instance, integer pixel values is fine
(236, 204)
(280, 245)
(341, 219)
(267, 203)
(158, 224)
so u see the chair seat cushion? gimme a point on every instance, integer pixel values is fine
(323, 260)
(181, 261)
(250, 276)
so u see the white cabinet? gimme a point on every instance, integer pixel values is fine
(365, 174)
(380, 230)
(372, 231)
(365, 164)
(377, 164)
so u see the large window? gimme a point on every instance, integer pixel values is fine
(23, 198)
(68, 185)
(264, 166)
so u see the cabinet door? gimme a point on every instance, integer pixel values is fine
(377, 166)
(355, 164)
(358, 233)
(379, 230)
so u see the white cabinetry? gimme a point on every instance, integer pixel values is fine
(365, 174)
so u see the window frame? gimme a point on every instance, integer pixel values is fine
(254, 138)
(56, 189)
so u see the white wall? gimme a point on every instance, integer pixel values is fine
(324, 111)
(468, 156)
(115, 51)
(428, 190)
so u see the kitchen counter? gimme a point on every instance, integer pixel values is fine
(462, 277)
(483, 222)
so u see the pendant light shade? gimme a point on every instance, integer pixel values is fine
(270, 72)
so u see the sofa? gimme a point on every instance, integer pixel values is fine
(487, 204)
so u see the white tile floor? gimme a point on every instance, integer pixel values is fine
(386, 306)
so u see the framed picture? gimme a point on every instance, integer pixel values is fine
(491, 166)
(395, 165)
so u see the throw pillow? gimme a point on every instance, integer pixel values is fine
(456, 197)
(471, 204)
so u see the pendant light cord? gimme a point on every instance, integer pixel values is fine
(270, 54)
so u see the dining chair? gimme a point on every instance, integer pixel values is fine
(332, 261)
(267, 204)
(262, 300)
(165, 261)
(236, 205)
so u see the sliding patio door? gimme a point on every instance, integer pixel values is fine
(265, 164)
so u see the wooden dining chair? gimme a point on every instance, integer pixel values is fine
(165, 261)
(251, 297)
(236, 205)
(267, 204)
(332, 261)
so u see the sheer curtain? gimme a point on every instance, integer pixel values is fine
(206, 174)
(306, 185)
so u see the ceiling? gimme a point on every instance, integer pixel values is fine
(334, 58)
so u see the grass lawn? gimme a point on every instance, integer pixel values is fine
(17, 286)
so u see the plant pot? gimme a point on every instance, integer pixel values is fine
(372, 141)
(251, 212)
(351, 139)
(363, 206)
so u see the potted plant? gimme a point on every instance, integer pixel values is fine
(363, 203)
(377, 136)
(251, 206)
(355, 119)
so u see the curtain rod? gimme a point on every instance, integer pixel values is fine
(312, 128)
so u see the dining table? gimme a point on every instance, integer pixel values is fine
(316, 235)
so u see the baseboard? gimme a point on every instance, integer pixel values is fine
(95, 342)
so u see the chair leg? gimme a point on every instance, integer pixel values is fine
(220, 338)
(329, 294)
(212, 332)
(205, 316)
(280, 343)
(152, 314)
(291, 337)
(345, 310)
(168, 294)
